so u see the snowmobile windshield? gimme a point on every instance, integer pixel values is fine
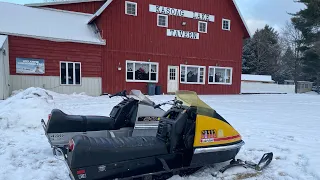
(190, 98)
(137, 94)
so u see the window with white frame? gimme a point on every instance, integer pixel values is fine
(202, 26)
(220, 75)
(226, 24)
(70, 73)
(192, 74)
(131, 8)
(162, 20)
(139, 71)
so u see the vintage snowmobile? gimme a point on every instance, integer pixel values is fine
(191, 136)
(133, 116)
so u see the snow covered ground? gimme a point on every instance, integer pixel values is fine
(287, 125)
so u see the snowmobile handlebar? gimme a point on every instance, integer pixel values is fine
(122, 93)
(175, 102)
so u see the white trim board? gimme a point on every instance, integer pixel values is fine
(53, 39)
(58, 2)
(98, 13)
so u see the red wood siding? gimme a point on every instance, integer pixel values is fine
(115, 80)
(53, 53)
(85, 7)
(139, 38)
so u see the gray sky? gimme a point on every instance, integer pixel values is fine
(257, 13)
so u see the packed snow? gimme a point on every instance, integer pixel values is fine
(287, 125)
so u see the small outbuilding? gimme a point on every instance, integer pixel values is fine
(303, 86)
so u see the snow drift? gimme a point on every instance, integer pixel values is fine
(287, 125)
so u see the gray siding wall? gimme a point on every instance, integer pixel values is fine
(4, 71)
(90, 85)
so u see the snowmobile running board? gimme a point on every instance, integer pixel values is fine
(167, 173)
(263, 163)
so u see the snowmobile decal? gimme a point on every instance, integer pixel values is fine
(204, 137)
(208, 136)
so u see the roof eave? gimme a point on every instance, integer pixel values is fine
(58, 3)
(102, 42)
(99, 11)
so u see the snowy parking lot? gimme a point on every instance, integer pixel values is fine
(287, 125)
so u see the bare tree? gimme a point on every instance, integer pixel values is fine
(292, 38)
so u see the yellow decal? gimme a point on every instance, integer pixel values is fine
(211, 131)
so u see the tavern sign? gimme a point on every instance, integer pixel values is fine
(181, 13)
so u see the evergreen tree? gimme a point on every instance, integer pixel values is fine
(308, 22)
(261, 53)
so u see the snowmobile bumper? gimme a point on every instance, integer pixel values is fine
(219, 148)
(211, 155)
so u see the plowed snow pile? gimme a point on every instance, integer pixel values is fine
(287, 125)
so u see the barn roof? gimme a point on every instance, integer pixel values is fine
(47, 24)
(108, 2)
(3, 39)
(256, 78)
(59, 2)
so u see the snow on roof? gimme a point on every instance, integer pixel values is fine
(54, 25)
(59, 2)
(259, 78)
(3, 39)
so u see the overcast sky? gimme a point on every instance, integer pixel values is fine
(257, 13)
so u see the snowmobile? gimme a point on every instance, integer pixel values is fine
(190, 136)
(133, 116)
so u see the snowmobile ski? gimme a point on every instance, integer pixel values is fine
(263, 163)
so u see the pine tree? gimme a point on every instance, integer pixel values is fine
(261, 53)
(308, 22)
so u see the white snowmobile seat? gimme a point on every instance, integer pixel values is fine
(89, 151)
(61, 122)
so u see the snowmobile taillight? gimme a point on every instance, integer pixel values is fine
(49, 117)
(71, 145)
(81, 171)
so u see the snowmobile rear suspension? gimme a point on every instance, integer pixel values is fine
(263, 163)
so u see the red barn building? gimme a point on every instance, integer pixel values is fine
(104, 46)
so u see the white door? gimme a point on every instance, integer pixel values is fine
(173, 81)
